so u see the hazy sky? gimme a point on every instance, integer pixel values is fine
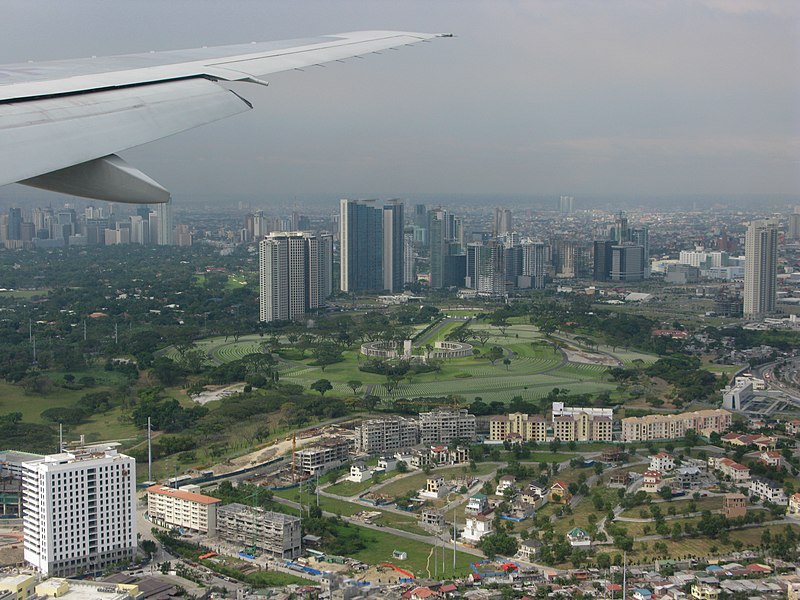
(543, 97)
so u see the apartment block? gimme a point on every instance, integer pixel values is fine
(518, 427)
(182, 508)
(734, 505)
(768, 491)
(443, 425)
(672, 426)
(275, 533)
(582, 427)
(79, 510)
(374, 436)
(327, 454)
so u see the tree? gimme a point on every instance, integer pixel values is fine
(495, 354)
(327, 354)
(354, 384)
(321, 386)
(507, 363)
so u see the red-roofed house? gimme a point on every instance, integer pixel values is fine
(652, 481)
(737, 472)
(559, 492)
(662, 462)
(771, 458)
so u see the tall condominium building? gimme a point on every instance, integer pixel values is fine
(294, 273)
(667, 427)
(566, 204)
(361, 246)
(582, 427)
(409, 268)
(165, 229)
(621, 234)
(276, 534)
(502, 221)
(79, 510)
(437, 242)
(486, 270)
(760, 268)
(627, 262)
(534, 263)
(443, 425)
(393, 246)
(14, 227)
(793, 229)
(380, 435)
(641, 237)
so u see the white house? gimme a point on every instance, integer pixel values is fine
(359, 473)
(387, 463)
(476, 504)
(578, 537)
(506, 483)
(768, 491)
(662, 462)
(477, 527)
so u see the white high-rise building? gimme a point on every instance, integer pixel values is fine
(295, 270)
(164, 227)
(761, 268)
(409, 272)
(566, 204)
(534, 262)
(79, 510)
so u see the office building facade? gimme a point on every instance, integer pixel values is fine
(361, 246)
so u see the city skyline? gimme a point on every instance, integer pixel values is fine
(644, 106)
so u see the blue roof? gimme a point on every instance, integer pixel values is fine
(642, 592)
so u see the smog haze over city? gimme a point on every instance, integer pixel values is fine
(661, 103)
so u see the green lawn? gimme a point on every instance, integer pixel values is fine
(416, 481)
(23, 293)
(548, 457)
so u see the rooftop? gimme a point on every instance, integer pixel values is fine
(182, 494)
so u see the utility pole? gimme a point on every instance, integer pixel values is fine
(34, 349)
(149, 453)
(84, 330)
(116, 335)
(30, 330)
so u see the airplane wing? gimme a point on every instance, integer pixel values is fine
(62, 122)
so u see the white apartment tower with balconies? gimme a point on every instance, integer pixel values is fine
(79, 510)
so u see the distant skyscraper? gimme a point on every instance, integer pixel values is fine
(437, 242)
(486, 267)
(165, 236)
(14, 224)
(393, 242)
(641, 237)
(502, 221)
(627, 262)
(534, 263)
(793, 230)
(294, 271)
(621, 233)
(361, 246)
(566, 204)
(325, 265)
(602, 260)
(761, 268)
(409, 271)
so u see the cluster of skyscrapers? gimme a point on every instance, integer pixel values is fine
(623, 257)
(95, 226)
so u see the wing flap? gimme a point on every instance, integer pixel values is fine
(55, 133)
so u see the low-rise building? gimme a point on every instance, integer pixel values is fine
(325, 455)
(705, 591)
(651, 482)
(559, 493)
(477, 503)
(793, 427)
(768, 491)
(276, 534)
(435, 488)
(734, 506)
(381, 435)
(687, 478)
(582, 427)
(387, 463)
(443, 425)
(533, 493)
(520, 427)
(432, 518)
(736, 472)
(529, 549)
(771, 458)
(578, 537)
(182, 508)
(673, 426)
(79, 589)
(793, 508)
(662, 462)
(506, 482)
(359, 474)
(21, 587)
(476, 527)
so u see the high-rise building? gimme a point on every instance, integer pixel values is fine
(566, 204)
(437, 242)
(761, 265)
(325, 241)
(486, 267)
(393, 242)
(641, 237)
(534, 263)
(621, 232)
(409, 270)
(183, 237)
(293, 275)
(164, 235)
(627, 262)
(502, 221)
(381, 435)
(79, 510)
(14, 224)
(361, 246)
(793, 229)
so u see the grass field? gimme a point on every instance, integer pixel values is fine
(23, 294)
(680, 506)
(535, 368)
(403, 485)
